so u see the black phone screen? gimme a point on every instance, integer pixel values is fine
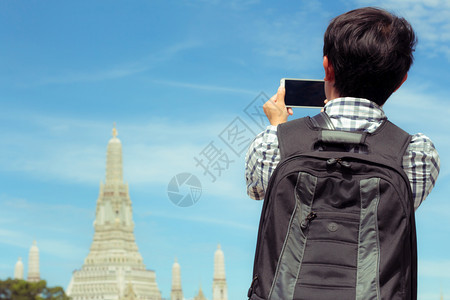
(309, 93)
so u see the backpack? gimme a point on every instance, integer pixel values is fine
(336, 224)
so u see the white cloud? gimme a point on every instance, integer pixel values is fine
(36, 221)
(113, 72)
(23, 205)
(204, 220)
(434, 269)
(408, 103)
(62, 248)
(421, 109)
(15, 238)
(5, 233)
(53, 246)
(429, 296)
(71, 149)
(430, 19)
(119, 70)
(292, 41)
(205, 87)
(435, 211)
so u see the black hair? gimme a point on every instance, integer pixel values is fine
(371, 50)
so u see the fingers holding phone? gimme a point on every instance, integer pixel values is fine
(275, 108)
(294, 93)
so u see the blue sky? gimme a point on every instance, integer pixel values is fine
(174, 75)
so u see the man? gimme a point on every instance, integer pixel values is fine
(367, 54)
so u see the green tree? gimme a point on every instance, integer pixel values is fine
(14, 289)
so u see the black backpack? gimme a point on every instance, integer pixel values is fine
(337, 224)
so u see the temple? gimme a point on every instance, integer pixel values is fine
(18, 269)
(220, 290)
(177, 292)
(114, 266)
(33, 264)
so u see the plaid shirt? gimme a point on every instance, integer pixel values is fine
(420, 161)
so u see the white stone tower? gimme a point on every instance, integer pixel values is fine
(220, 291)
(177, 292)
(33, 264)
(18, 269)
(114, 261)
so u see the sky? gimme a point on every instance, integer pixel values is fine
(177, 77)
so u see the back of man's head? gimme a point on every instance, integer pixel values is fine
(371, 51)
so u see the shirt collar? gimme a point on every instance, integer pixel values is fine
(355, 108)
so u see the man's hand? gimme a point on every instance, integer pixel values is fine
(275, 108)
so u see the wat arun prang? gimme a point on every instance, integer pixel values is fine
(114, 269)
(114, 266)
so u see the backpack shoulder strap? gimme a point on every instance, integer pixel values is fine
(300, 135)
(389, 141)
(322, 120)
(296, 136)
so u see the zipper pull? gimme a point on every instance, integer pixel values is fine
(344, 163)
(333, 161)
(305, 223)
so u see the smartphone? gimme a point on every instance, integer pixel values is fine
(304, 92)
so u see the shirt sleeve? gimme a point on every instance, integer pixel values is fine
(421, 164)
(262, 157)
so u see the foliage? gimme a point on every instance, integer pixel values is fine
(23, 290)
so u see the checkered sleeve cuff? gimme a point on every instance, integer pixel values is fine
(261, 159)
(421, 163)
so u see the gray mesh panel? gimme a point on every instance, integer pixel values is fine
(294, 245)
(367, 283)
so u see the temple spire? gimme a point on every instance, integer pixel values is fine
(220, 290)
(114, 131)
(33, 264)
(18, 269)
(177, 292)
(219, 264)
(114, 169)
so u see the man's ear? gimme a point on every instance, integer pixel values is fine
(329, 70)
(403, 80)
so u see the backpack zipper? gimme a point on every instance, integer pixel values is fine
(340, 161)
(305, 223)
(267, 196)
